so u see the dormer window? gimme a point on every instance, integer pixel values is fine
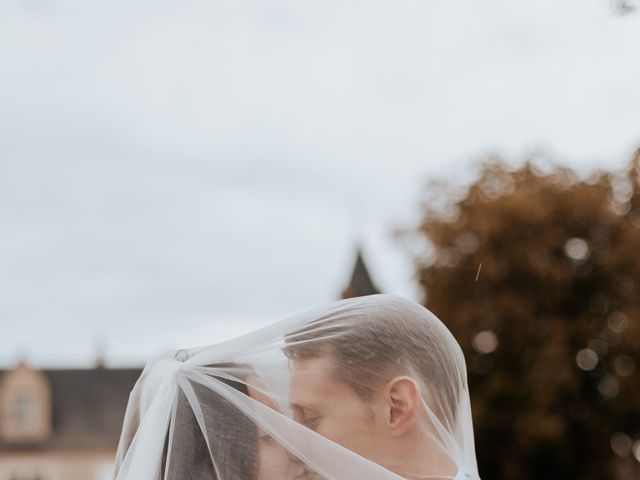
(25, 406)
(24, 410)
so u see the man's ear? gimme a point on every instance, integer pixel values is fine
(403, 398)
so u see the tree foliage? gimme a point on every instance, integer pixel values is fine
(537, 274)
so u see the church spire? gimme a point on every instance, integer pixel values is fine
(360, 283)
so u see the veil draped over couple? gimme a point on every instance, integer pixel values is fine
(370, 388)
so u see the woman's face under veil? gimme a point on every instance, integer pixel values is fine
(275, 462)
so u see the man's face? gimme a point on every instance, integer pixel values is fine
(331, 408)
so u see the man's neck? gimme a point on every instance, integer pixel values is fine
(418, 460)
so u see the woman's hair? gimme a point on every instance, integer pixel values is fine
(232, 453)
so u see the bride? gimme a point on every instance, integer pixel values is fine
(367, 388)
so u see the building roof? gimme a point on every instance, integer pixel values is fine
(360, 283)
(88, 407)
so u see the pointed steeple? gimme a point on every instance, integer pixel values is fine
(360, 283)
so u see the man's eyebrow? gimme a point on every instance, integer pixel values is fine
(300, 405)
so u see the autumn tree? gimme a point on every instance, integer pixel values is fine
(537, 274)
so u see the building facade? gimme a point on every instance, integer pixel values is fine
(61, 424)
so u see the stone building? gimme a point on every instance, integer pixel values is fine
(61, 424)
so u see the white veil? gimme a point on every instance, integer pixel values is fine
(367, 388)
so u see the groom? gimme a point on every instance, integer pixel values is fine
(382, 386)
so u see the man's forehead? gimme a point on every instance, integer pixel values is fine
(310, 378)
(315, 365)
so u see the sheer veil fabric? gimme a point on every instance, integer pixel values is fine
(371, 388)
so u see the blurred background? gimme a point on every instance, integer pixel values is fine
(178, 173)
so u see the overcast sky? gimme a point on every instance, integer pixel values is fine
(173, 173)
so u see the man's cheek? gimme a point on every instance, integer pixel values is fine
(330, 430)
(320, 428)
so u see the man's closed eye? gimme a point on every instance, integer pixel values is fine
(310, 421)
